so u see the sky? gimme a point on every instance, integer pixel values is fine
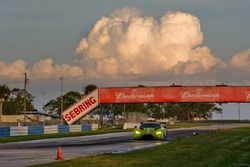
(124, 43)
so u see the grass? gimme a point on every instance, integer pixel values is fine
(227, 148)
(74, 134)
(189, 124)
(60, 135)
(99, 131)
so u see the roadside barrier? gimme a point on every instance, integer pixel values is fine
(4, 131)
(18, 131)
(86, 127)
(94, 126)
(34, 130)
(63, 128)
(50, 129)
(128, 125)
(75, 128)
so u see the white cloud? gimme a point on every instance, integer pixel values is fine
(46, 69)
(13, 70)
(129, 44)
(130, 47)
(241, 60)
(67, 70)
(42, 70)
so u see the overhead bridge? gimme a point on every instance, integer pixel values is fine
(162, 94)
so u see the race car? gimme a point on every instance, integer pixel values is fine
(150, 130)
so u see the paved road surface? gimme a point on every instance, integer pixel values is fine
(20, 154)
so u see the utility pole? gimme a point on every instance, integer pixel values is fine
(25, 96)
(124, 108)
(221, 116)
(124, 111)
(61, 79)
(239, 110)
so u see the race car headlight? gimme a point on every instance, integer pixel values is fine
(137, 132)
(158, 132)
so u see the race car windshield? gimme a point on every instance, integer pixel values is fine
(150, 125)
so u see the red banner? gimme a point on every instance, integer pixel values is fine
(175, 94)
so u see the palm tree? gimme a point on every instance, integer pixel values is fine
(89, 88)
(4, 94)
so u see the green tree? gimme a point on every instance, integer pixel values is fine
(156, 110)
(135, 107)
(181, 111)
(189, 111)
(15, 103)
(4, 94)
(54, 105)
(70, 98)
(89, 88)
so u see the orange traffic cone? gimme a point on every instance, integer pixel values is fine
(59, 154)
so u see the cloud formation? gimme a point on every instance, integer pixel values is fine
(241, 61)
(129, 44)
(45, 69)
(42, 70)
(13, 70)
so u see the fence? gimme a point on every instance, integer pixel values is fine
(35, 130)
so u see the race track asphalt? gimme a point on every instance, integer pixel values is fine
(26, 153)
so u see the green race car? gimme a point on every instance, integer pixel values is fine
(150, 130)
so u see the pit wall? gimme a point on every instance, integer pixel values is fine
(35, 130)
